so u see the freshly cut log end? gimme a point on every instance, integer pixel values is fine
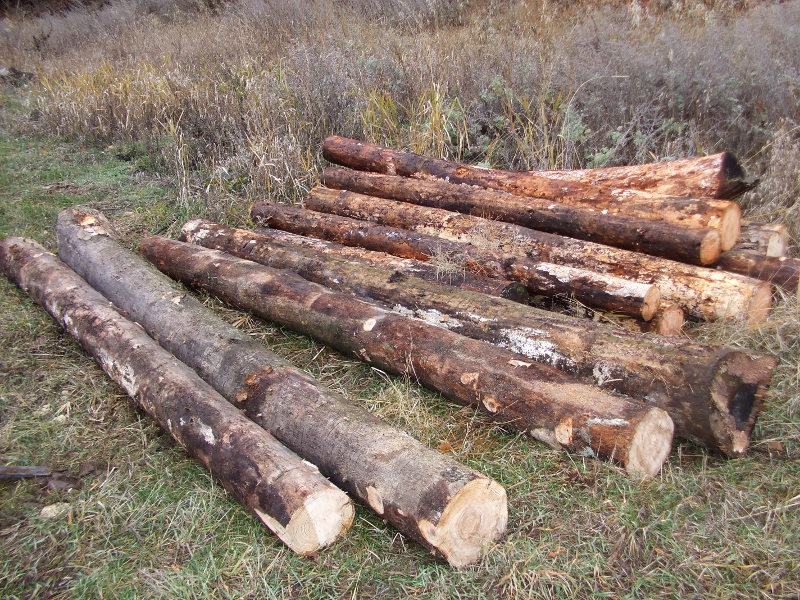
(323, 518)
(652, 300)
(710, 247)
(477, 514)
(760, 304)
(651, 445)
(668, 320)
(730, 227)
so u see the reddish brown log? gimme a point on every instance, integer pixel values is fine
(540, 400)
(286, 493)
(668, 320)
(703, 293)
(687, 244)
(452, 510)
(713, 176)
(782, 271)
(714, 395)
(593, 289)
(721, 215)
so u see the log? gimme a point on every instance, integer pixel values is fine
(713, 176)
(782, 271)
(713, 394)
(668, 320)
(287, 494)
(704, 293)
(450, 509)
(593, 289)
(721, 215)
(537, 399)
(688, 244)
(768, 239)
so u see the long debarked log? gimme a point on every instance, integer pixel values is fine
(713, 176)
(688, 244)
(704, 293)
(721, 215)
(783, 271)
(593, 289)
(540, 400)
(452, 510)
(287, 494)
(714, 395)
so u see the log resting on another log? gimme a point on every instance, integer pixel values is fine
(286, 493)
(450, 509)
(783, 271)
(703, 293)
(721, 215)
(768, 239)
(688, 244)
(714, 395)
(540, 400)
(593, 289)
(713, 176)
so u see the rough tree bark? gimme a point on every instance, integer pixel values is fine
(540, 400)
(722, 215)
(768, 239)
(783, 271)
(704, 293)
(714, 395)
(713, 176)
(688, 244)
(597, 290)
(452, 510)
(287, 494)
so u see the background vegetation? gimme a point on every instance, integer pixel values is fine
(156, 111)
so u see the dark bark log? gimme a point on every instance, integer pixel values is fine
(540, 400)
(782, 271)
(767, 239)
(713, 176)
(20, 472)
(450, 509)
(704, 293)
(714, 395)
(721, 215)
(287, 494)
(592, 289)
(692, 245)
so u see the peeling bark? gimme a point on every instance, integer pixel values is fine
(701, 387)
(713, 176)
(689, 244)
(450, 509)
(704, 293)
(721, 215)
(287, 494)
(597, 290)
(535, 398)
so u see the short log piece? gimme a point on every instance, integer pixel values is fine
(768, 239)
(535, 398)
(721, 215)
(287, 494)
(714, 395)
(453, 511)
(593, 289)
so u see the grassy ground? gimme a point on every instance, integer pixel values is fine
(142, 520)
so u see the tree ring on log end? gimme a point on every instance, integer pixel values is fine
(476, 516)
(652, 300)
(760, 303)
(324, 516)
(651, 444)
(730, 227)
(710, 247)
